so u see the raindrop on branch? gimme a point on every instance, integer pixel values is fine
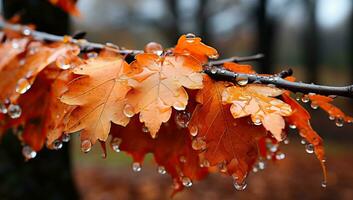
(242, 81)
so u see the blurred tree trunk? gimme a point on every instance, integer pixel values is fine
(311, 42)
(267, 29)
(49, 175)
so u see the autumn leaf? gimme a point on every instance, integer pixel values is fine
(225, 141)
(99, 94)
(191, 45)
(171, 150)
(257, 101)
(17, 78)
(239, 68)
(67, 5)
(325, 103)
(158, 85)
(300, 119)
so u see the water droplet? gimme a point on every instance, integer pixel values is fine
(128, 110)
(14, 111)
(3, 108)
(214, 56)
(292, 126)
(57, 144)
(257, 122)
(23, 86)
(26, 31)
(222, 167)
(190, 36)
(63, 63)
(182, 119)
(136, 167)
(28, 152)
(186, 181)
(339, 122)
(286, 141)
(261, 165)
(204, 163)
(273, 148)
(239, 186)
(214, 70)
(65, 138)
(303, 141)
(305, 99)
(331, 117)
(86, 146)
(298, 96)
(179, 106)
(145, 129)
(280, 156)
(15, 45)
(324, 184)
(198, 144)
(182, 159)
(115, 144)
(193, 131)
(309, 148)
(255, 169)
(161, 170)
(314, 106)
(222, 71)
(242, 81)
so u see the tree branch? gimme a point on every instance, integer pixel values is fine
(216, 73)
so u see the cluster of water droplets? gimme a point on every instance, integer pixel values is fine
(12, 110)
(260, 165)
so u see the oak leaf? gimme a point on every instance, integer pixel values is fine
(257, 101)
(158, 84)
(224, 140)
(99, 94)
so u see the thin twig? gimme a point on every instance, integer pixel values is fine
(214, 72)
(226, 75)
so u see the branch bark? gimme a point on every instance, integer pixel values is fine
(213, 68)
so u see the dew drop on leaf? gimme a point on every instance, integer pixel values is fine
(3, 108)
(309, 148)
(28, 152)
(186, 181)
(314, 106)
(14, 111)
(222, 167)
(65, 138)
(198, 144)
(303, 141)
(145, 129)
(63, 63)
(57, 144)
(286, 141)
(257, 122)
(15, 45)
(324, 184)
(161, 170)
(204, 163)
(339, 122)
(190, 37)
(86, 146)
(305, 99)
(23, 86)
(128, 110)
(26, 31)
(182, 119)
(115, 144)
(136, 167)
(292, 126)
(193, 131)
(331, 117)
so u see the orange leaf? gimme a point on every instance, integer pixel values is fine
(300, 118)
(10, 49)
(235, 67)
(172, 150)
(67, 5)
(224, 140)
(191, 45)
(158, 84)
(99, 94)
(324, 103)
(256, 100)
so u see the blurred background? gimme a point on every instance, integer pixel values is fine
(313, 37)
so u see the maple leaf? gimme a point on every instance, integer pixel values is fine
(17, 78)
(171, 150)
(158, 85)
(300, 119)
(256, 100)
(192, 46)
(99, 94)
(324, 103)
(225, 141)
